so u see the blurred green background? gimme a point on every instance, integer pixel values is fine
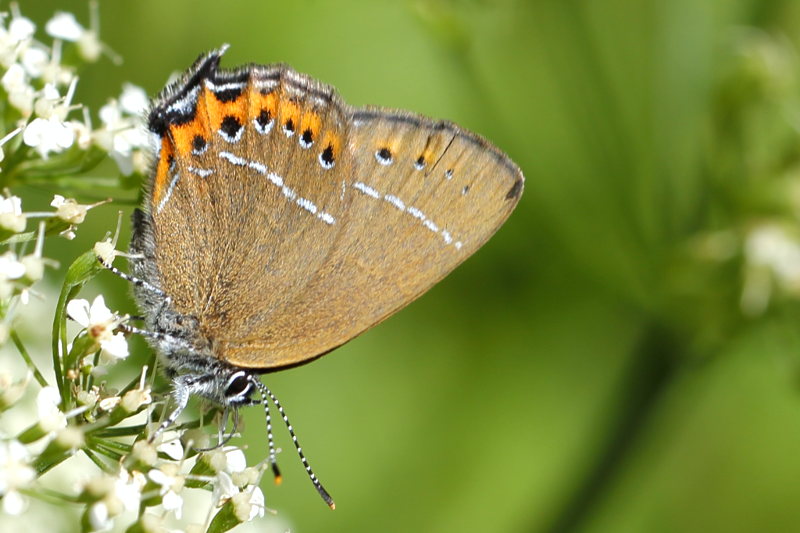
(596, 366)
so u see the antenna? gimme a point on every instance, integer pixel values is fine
(264, 393)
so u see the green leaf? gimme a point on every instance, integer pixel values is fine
(224, 520)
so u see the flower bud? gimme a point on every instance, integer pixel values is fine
(144, 453)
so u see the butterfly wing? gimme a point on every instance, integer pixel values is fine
(296, 222)
(422, 197)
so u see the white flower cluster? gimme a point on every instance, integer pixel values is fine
(123, 134)
(142, 477)
(230, 478)
(772, 259)
(78, 408)
(15, 473)
(41, 89)
(20, 268)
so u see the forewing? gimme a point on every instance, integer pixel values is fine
(287, 222)
(418, 198)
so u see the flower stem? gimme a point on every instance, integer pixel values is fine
(652, 369)
(26, 356)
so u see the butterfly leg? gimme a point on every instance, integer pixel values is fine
(138, 282)
(222, 439)
(183, 387)
(133, 279)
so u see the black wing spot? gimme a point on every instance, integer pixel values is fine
(198, 144)
(326, 158)
(229, 95)
(264, 118)
(307, 139)
(230, 127)
(384, 156)
(515, 190)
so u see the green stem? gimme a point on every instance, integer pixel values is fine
(42, 466)
(652, 368)
(49, 495)
(97, 461)
(125, 431)
(105, 445)
(10, 163)
(78, 273)
(26, 356)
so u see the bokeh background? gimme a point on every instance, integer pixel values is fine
(624, 355)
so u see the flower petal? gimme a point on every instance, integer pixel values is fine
(236, 460)
(10, 267)
(257, 504)
(21, 28)
(173, 448)
(133, 99)
(173, 502)
(99, 312)
(14, 503)
(78, 310)
(116, 347)
(64, 26)
(224, 488)
(98, 517)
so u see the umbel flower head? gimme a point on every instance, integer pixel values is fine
(82, 402)
(40, 88)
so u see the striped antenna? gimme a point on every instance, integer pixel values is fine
(320, 489)
(273, 461)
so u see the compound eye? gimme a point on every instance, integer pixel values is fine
(237, 385)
